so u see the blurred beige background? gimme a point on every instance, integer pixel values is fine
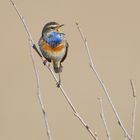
(112, 29)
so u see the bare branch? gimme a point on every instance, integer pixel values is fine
(39, 95)
(103, 118)
(92, 65)
(134, 109)
(36, 73)
(93, 134)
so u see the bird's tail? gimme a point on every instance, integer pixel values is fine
(57, 67)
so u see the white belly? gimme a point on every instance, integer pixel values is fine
(57, 56)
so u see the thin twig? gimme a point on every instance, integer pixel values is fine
(134, 109)
(103, 118)
(92, 65)
(36, 73)
(93, 134)
(39, 95)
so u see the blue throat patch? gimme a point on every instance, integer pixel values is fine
(54, 38)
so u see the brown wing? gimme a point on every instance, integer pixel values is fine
(40, 42)
(67, 45)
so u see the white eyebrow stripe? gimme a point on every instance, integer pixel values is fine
(53, 26)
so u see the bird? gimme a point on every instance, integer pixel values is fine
(53, 46)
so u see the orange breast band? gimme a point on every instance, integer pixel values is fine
(46, 47)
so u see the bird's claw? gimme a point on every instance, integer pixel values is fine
(58, 84)
(44, 62)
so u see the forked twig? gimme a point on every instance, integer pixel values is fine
(93, 134)
(134, 109)
(103, 118)
(92, 65)
(36, 73)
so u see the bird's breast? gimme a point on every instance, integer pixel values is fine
(47, 48)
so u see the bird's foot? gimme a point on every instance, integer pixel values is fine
(44, 62)
(58, 84)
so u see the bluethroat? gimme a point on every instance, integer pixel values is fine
(54, 46)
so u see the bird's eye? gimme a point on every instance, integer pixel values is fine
(52, 27)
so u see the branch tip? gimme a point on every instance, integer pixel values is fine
(133, 88)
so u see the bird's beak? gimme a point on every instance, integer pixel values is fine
(61, 25)
(58, 27)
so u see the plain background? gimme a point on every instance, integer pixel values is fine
(112, 29)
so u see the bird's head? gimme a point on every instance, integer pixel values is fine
(51, 27)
